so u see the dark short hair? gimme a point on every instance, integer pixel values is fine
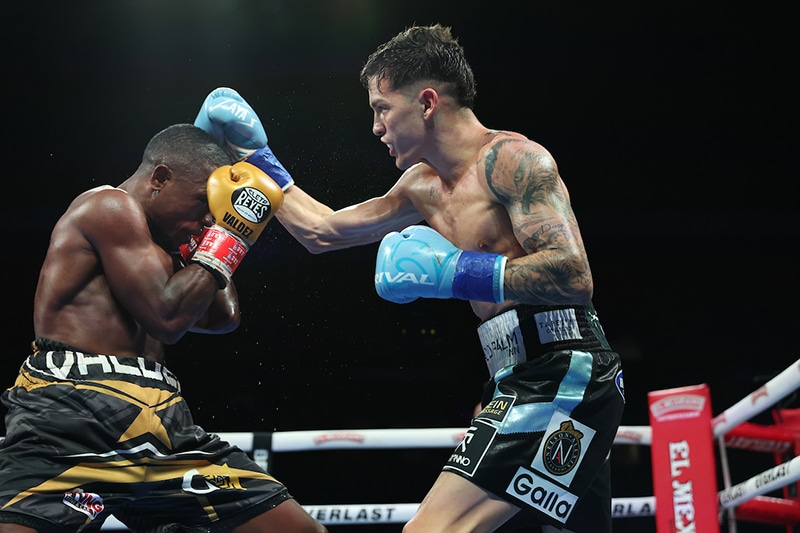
(184, 146)
(423, 53)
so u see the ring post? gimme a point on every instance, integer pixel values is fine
(683, 461)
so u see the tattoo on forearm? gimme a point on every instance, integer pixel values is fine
(547, 282)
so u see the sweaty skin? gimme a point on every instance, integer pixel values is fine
(113, 283)
(483, 190)
(106, 286)
(513, 203)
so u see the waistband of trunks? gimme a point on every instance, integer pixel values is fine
(526, 332)
(55, 361)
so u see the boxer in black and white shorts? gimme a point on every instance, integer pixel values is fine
(121, 422)
(550, 414)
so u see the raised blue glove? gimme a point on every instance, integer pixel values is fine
(264, 159)
(232, 122)
(419, 262)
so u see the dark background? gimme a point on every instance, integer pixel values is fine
(673, 125)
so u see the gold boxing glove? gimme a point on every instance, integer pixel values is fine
(242, 199)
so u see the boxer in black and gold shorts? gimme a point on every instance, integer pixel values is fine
(122, 423)
(550, 415)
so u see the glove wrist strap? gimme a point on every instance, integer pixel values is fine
(221, 251)
(264, 159)
(479, 276)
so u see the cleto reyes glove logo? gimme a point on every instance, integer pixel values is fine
(251, 205)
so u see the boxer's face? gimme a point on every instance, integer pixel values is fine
(180, 209)
(399, 120)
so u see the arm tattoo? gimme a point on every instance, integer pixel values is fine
(526, 181)
(549, 280)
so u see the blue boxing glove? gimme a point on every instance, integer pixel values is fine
(419, 262)
(232, 122)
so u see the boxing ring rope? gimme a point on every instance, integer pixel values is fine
(730, 427)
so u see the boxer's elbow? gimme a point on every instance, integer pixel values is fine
(219, 319)
(581, 286)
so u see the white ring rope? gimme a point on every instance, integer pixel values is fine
(368, 439)
(758, 401)
(400, 513)
(289, 441)
(767, 481)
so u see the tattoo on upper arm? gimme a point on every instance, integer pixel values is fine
(533, 176)
(526, 180)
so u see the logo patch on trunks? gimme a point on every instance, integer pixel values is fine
(620, 384)
(88, 503)
(540, 494)
(563, 448)
(497, 409)
(501, 339)
(213, 477)
(557, 325)
(469, 453)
